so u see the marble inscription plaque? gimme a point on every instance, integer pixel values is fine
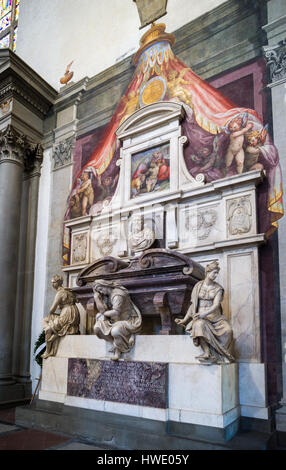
(135, 383)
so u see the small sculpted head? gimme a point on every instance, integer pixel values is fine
(101, 287)
(57, 281)
(137, 224)
(212, 270)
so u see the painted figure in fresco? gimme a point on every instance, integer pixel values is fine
(118, 319)
(85, 192)
(138, 183)
(75, 206)
(208, 162)
(66, 323)
(149, 173)
(255, 139)
(107, 185)
(131, 104)
(205, 320)
(176, 90)
(152, 175)
(164, 169)
(237, 128)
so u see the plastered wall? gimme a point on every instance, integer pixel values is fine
(93, 33)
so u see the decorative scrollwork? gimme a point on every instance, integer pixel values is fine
(63, 152)
(200, 178)
(275, 57)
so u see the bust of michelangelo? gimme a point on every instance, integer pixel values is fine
(141, 238)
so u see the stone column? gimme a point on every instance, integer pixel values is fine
(12, 159)
(275, 55)
(28, 231)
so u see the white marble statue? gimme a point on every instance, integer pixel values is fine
(57, 325)
(141, 237)
(205, 321)
(118, 319)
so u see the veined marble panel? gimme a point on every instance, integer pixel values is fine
(240, 278)
(54, 375)
(206, 389)
(252, 385)
(80, 248)
(243, 303)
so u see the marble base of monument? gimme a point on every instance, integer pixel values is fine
(189, 393)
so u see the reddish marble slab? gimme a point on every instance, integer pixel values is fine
(134, 383)
(30, 439)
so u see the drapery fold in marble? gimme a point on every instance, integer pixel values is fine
(205, 322)
(118, 319)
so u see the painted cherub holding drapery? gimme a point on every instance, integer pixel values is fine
(236, 128)
(85, 191)
(255, 140)
(176, 90)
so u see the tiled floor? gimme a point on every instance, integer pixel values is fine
(13, 437)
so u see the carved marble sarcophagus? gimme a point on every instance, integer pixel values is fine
(159, 282)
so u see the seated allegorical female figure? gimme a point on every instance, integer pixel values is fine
(205, 321)
(118, 319)
(60, 324)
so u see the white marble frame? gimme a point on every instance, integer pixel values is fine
(151, 126)
(168, 137)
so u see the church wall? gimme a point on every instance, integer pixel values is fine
(93, 34)
(200, 44)
(276, 34)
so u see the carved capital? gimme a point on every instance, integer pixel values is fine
(33, 159)
(16, 148)
(12, 146)
(275, 56)
(63, 152)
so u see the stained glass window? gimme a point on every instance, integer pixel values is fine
(4, 42)
(6, 7)
(9, 13)
(5, 22)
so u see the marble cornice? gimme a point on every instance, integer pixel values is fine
(19, 81)
(273, 25)
(71, 94)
